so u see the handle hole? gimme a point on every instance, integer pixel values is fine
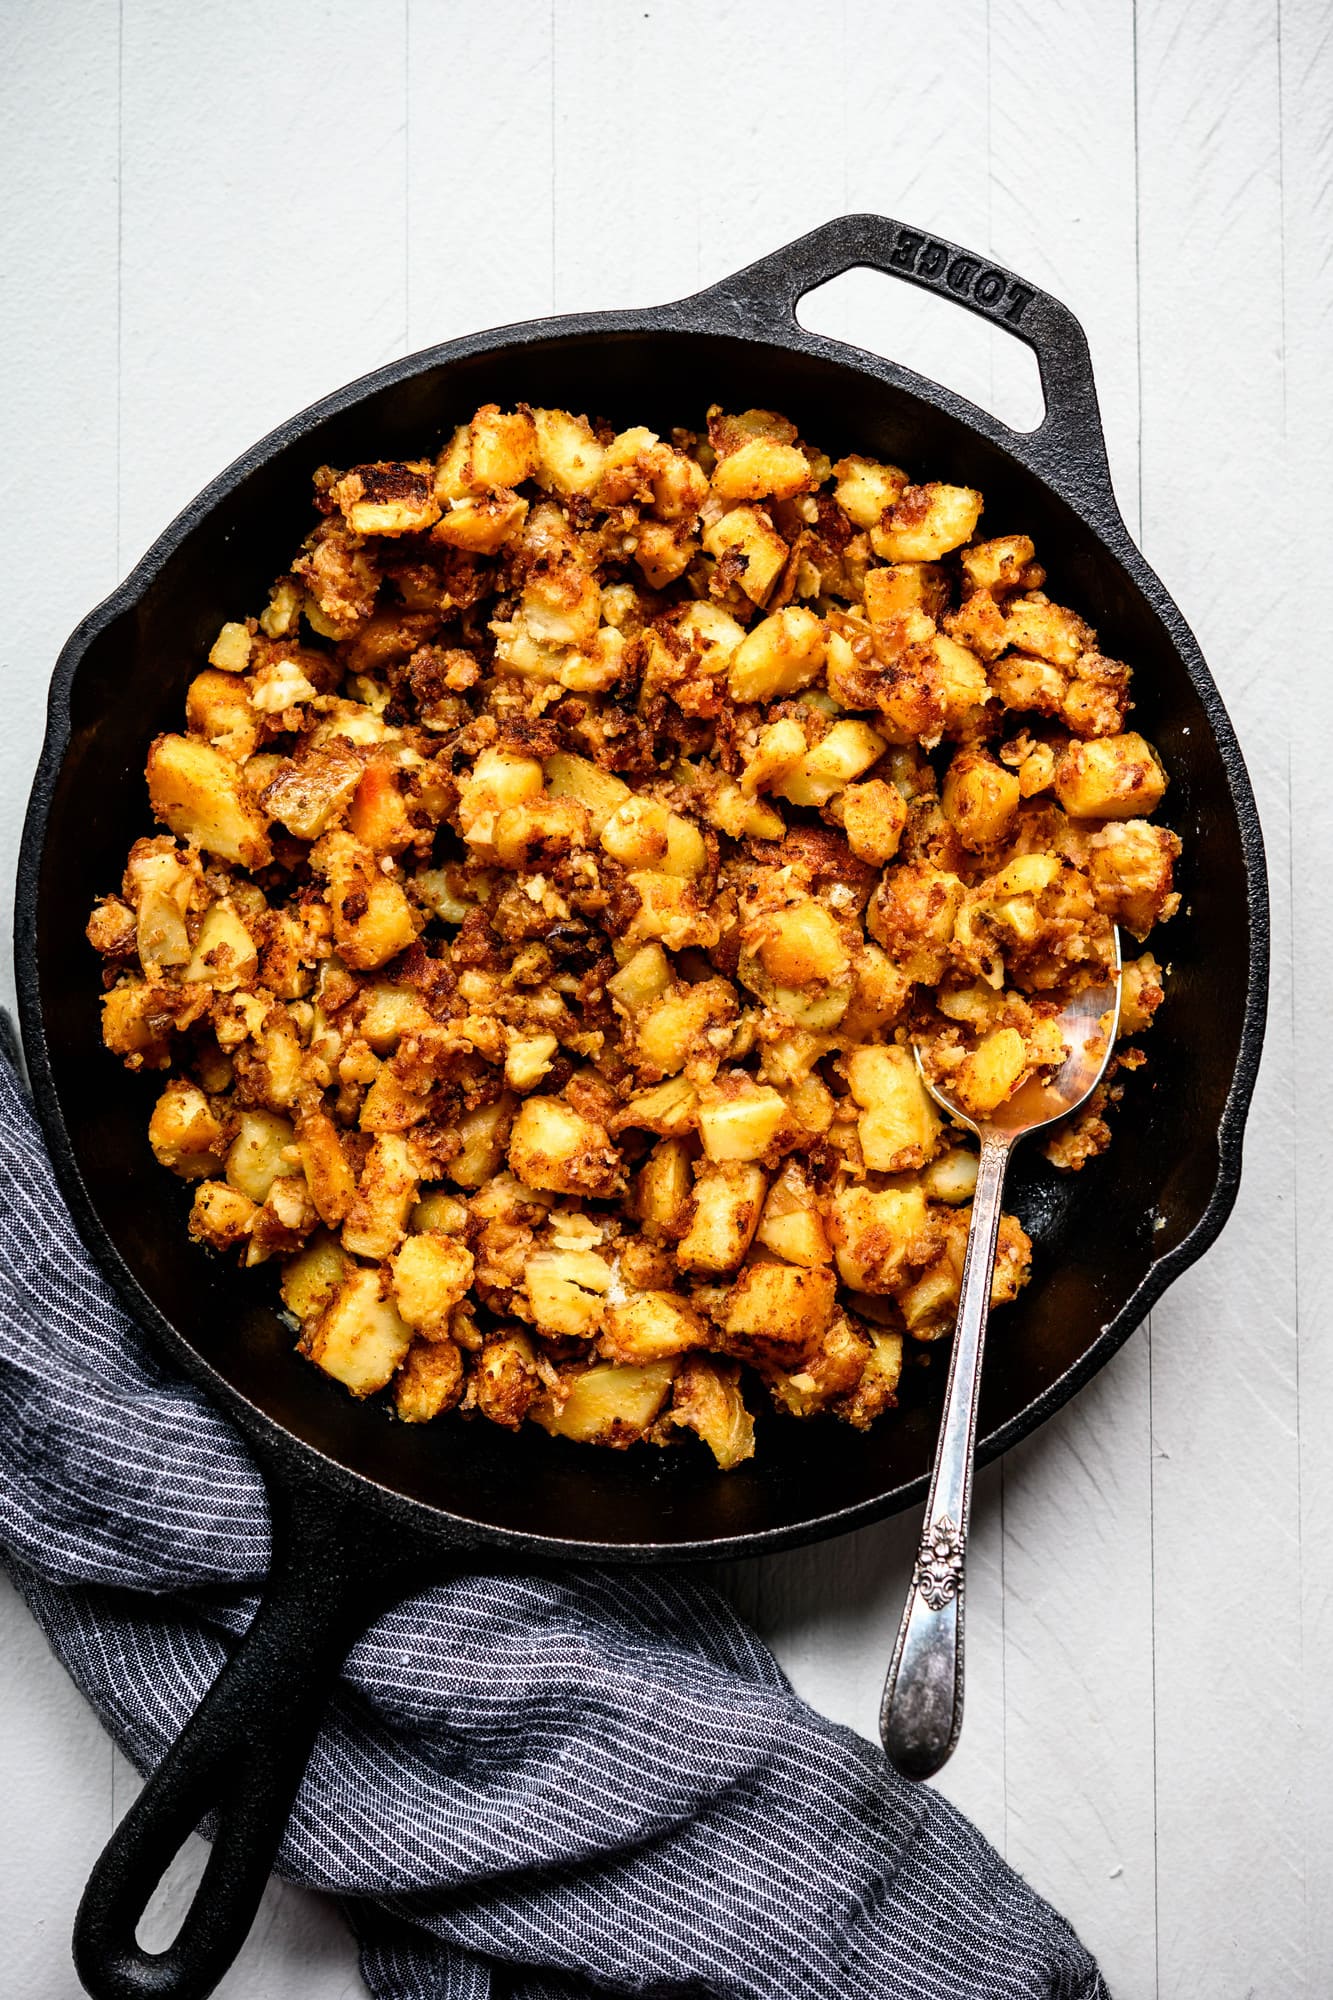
(169, 1904)
(933, 335)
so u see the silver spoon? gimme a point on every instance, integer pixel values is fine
(922, 1710)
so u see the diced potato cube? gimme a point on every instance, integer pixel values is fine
(866, 490)
(429, 1382)
(926, 522)
(990, 1074)
(312, 1276)
(979, 798)
(877, 1389)
(801, 945)
(1032, 625)
(502, 448)
(662, 1191)
(481, 523)
(651, 1326)
(912, 915)
(684, 1024)
(782, 653)
(506, 1379)
(952, 1177)
(372, 918)
(485, 1135)
(305, 795)
(997, 564)
(569, 458)
(757, 457)
(670, 1108)
(846, 751)
(1141, 993)
(609, 1405)
(221, 1216)
(1130, 866)
(1111, 777)
(873, 817)
(566, 1292)
(499, 778)
(431, 1274)
(728, 1199)
(706, 1398)
(554, 1147)
(528, 1059)
(878, 1235)
(644, 834)
(218, 708)
(186, 1133)
(359, 1338)
(262, 1149)
(224, 955)
(385, 1196)
(779, 1312)
(747, 536)
(600, 792)
(780, 750)
(199, 793)
(230, 651)
(905, 587)
(738, 1120)
(644, 976)
(389, 498)
(791, 1225)
(899, 1125)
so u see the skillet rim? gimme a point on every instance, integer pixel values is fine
(729, 309)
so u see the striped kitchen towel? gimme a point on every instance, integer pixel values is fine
(527, 1786)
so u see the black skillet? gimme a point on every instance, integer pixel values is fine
(366, 1511)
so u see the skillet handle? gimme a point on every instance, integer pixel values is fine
(1068, 448)
(243, 1753)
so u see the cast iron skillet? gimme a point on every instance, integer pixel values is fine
(366, 1511)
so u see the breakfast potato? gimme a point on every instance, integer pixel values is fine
(557, 877)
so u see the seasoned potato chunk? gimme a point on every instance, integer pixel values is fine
(706, 1398)
(781, 654)
(792, 1226)
(372, 918)
(1112, 777)
(873, 817)
(757, 457)
(746, 539)
(431, 1274)
(608, 1405)
(186, 1133)
(728, 1198)
(554, 1146)
(359, 1337)
(778, 1312)
(980, 798)
(651, 1326)
(899, 1125)
(429, 1382)
(926, 522)
(386, 1193)
(879, 1235)
(198, 792)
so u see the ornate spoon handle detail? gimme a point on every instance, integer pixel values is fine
(922, 1710)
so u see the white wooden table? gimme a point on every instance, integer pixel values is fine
(213, 214)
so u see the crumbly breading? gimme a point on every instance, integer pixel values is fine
(557, 873)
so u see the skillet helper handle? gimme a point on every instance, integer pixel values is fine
(922, 1711)
(241, 1756)
(1068, 448)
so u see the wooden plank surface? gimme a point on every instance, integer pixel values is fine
(213, 221)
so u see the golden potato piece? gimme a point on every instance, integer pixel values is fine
(372, 918)
(878, 1235)
(926, 522)
(728, 1198)
(651, 1326)
(612, 1405)
(553, 1146)
(778, 1312)
(429, 1382)
(1110, 777)
(431, 1275)
(198, 792)
(706, 1399)
(221, 1216)
(899, 1125)
(359, 1338)
(186, 1133)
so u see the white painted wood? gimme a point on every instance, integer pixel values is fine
(1226, 1518)
(216, 214)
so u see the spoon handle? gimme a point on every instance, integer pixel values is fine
(922, 1710)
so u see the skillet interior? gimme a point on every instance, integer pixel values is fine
(1098, 1234)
